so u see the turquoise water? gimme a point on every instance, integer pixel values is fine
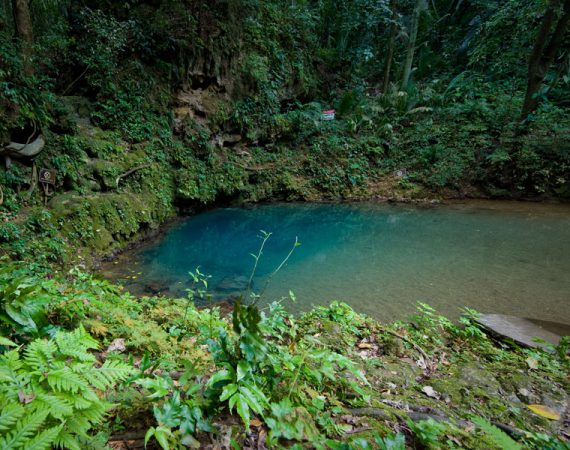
(380, 258)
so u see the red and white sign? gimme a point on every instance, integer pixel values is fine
(328, 114)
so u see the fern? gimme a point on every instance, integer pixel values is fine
(25, 428)
(10, 415)
(66, 380)
(67, 440)
(501, 439)
(76, 344)
(60, 382)
(40, 355)
(44, 440)
(58, 407)
(108, 374)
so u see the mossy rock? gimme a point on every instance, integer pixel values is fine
(107, 222)
(106, 172)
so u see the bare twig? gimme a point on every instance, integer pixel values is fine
(265, 237)
(295, 245)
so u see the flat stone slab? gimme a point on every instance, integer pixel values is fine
(522, 331)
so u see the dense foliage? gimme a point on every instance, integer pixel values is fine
(148, 109)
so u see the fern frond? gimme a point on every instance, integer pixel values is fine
(10, 363)
(39, 355)
(80, 402)
(58, 407)
(10, 415)
(76, 344)
(25, 428)
(95, 413)
(44, 440)
(78, 424)
(499, 437)
(110, 373)
(66, 380)
(67, 440)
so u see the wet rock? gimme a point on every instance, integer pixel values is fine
(155, 288)
(477, 377)
(520, 330)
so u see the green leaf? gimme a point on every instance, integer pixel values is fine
(222, 375)
(251, 400)
(7, 342)
(228, 391)
(243, 368)
(243, 409)
(161, 434)
(160, 386)
(149, 434)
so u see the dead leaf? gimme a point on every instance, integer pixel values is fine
(430, 392)
(25, 398)
(261, 440)
(544, 411)
(532, 363)
(256, 423)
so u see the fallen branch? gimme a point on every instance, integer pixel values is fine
(358, 430)
(1, 195)
(128, 172)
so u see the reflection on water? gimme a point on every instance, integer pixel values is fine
(381, 259)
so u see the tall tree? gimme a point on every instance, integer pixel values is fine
(23, 23)
(547, 44)
(391, 43)
(412, 42)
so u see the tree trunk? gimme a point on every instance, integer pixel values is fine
(24, 31)
(544, 52)
(412, 43)
(391, 43)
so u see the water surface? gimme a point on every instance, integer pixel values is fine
(382, 259)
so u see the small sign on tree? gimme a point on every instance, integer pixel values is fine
(47, 176)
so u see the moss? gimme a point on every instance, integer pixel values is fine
(110, 221)
(106, 172)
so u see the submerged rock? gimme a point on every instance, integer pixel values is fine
(232, 285)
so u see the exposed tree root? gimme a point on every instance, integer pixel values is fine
(128, 172)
